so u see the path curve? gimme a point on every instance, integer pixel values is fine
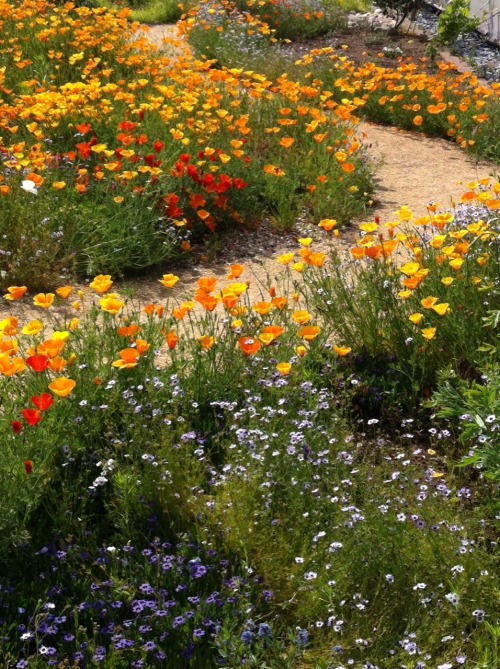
(411, 169)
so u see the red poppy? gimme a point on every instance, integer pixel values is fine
(32, 416)
(17, 427)
(43, 401)
(158, 146)
(28, 467)
(38, 363)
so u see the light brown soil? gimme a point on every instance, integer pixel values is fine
(411, 170)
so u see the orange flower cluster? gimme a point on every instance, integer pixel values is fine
(437, 244)
(448, 103)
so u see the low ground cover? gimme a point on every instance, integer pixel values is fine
(223, 481)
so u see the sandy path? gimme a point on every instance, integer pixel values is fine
(411, 170)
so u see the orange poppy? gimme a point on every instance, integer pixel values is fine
(15, 292)
(357, 253)
(236, 271)
(141, 346)
(207, 284)
(274, 330)
(280, 302)
(101, 283)
(62, 386)
(129, 358)
(111, 305)
(262, 308)
(249, 345)
(128, 331)
(57, 364)
(64, 291)
(206, 342)
(172, 339)
(208, 302)
(50, 348)
(43, 300)
(309, 332)
(9, 326)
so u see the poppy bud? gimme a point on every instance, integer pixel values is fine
(28, 467)
(17, 427)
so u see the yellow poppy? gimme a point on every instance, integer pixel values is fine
(62, 386)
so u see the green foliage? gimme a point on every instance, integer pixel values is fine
(455, 21)
(473, 410)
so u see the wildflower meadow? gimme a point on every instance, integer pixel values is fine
(304, 479)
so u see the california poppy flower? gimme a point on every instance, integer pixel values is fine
(327, 224)
(249, 345)
(43, 300)
(342, 351)
(43, 401)
(50, 348)
(28, 467)
(32, 328)
(169, 280)
(101, 283)
(206, 342)
(172, 339)
(428, 302)
(129, 358)
(32, 416)
(111, 305)
(16, 426)
(38, 363)
(141, 346)
(262, 308)
(57, 364)
(9, 326)
(236, 271)
(429, 333)
(284, 368)
(280, 302)
(301, 317)
(64, 291)
(208, 302)
(309, 332)
(62, 386)
(15, 292)
(207, 284)
(129, 331)
(274, 330)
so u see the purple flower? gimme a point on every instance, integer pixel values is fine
(100, 654)
(246, 637)
(188, 652)
(178, 621)
(265, 631)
